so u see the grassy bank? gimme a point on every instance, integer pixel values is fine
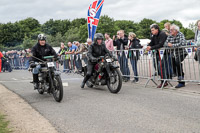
(4, 125)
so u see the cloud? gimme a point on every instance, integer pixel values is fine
(182, 10)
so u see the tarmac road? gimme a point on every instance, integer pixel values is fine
(134, 109)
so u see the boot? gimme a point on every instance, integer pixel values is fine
(82, 85)
(85, 80)
(35, 81)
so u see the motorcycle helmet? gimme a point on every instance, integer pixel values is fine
(41, 37)
(98, 36)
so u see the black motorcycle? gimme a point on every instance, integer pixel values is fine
(100, 75)
(49, 79)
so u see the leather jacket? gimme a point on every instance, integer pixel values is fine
(96, 51)
(41, 51)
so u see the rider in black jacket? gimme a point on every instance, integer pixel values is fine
(95, 50)
(40, 50)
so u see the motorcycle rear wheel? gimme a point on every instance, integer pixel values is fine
(40, 91)
(89, 84)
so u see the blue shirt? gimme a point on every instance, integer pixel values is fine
(73, 47)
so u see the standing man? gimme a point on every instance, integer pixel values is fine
(72, 49)
(157, 41)
(64, 57)
(109, 43)
(89, 41)
(175, 40)
(79, 50)
(121, 42)
(197, 34)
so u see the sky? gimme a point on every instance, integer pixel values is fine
(186, 11)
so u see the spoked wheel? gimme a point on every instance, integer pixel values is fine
(115, 83)
(40, 90)
(58, 91)
(89, 84)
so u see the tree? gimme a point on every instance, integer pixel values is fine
(189, 34)
(29, 26)
(65, 26)
(51, 27)
(83, 33)
(178, 23)
(72, 35)
(193, 27)
(78, 22)
(126, 25)
(144, 27)
(55, 40)
(161, 24)
(106, 24)
(10, 34)
(28, 43)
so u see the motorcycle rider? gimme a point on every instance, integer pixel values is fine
(96, 49)
(40, 50)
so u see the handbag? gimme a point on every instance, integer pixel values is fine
(196, 56)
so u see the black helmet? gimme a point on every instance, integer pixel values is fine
(98, 36)
(41, 37)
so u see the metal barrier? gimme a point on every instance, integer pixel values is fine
(74, 63)
(166, 63)
(180, 63)
(136, 63)
(18, 63)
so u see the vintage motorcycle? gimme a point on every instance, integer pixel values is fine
(49, 79)
(100, 75)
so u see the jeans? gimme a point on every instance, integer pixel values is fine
(85, 60)
(123, 61)
(134, 67)
(78, 62)
(66, 65)
(72, 61)
(36, 69)
(27, 63)
(179, 66)
(16, 63)
(164, 67)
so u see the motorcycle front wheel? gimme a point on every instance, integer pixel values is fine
(115, 83)
(58, 91)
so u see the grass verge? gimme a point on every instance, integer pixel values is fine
(4, 125)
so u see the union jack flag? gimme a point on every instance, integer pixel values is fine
(94, 13)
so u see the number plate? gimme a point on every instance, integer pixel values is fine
(50, 64)
(108, 60)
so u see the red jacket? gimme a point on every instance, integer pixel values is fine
(1, 55)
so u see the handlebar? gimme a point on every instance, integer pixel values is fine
(48, 57)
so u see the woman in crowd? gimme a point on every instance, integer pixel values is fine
(133, 45)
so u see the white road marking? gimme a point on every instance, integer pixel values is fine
(65, 84)
(73, 79)
(14, 79)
